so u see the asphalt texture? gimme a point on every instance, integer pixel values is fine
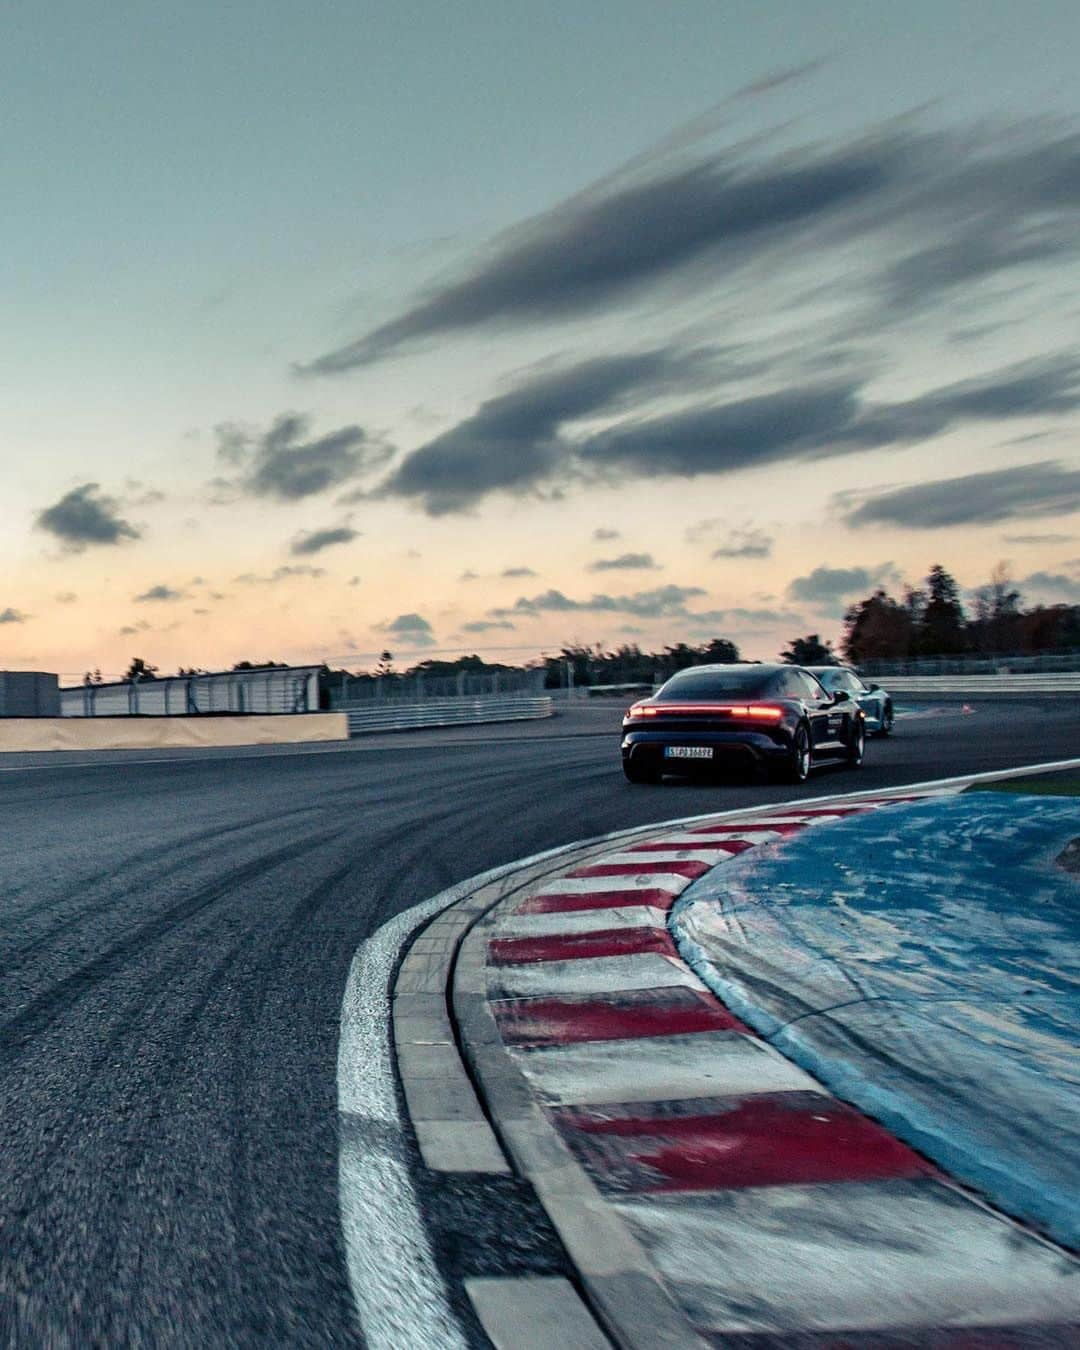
(175, 935)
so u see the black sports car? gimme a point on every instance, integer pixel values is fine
(776, 717)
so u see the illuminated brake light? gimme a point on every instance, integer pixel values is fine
(758, 711)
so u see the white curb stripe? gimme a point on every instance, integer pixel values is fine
(574, 922)
(646, 881)
(600, 975)
(673, 1068)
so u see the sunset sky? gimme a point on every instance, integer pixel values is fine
(493, 326)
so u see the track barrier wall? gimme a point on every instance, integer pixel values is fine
(157, 733)
(445, 712)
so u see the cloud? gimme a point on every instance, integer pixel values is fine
(283, 573)
(936, 211)
(605, 247)
(1056, 585)
(1029, 490)
(86, 516)
(306, 544)
(511, 572)
(469, 575)
(286, 463)
(521, 441)
(512, 442)
(10, 615)
(738, 542)
(625, 562)
(131, 629)
(826, 587)
(486, 625)
(663, 602)
(66, 598)
(412, 629)
(816, 421)
(160, 592)
(1039, 538)
(603, 536)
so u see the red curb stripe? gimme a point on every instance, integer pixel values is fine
(632, 1015)
(720, 846)
(643, 868)
(751, 827)
(815, 812)
(775, 1139)
(579, 946)
(569, 904)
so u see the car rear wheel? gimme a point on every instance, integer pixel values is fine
(801, 760)
(856, 743)
(640, 773)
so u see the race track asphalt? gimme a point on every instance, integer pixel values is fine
(175, 935)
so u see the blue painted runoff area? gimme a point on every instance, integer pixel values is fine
(922, 961)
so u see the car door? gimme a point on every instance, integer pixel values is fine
(826, 718)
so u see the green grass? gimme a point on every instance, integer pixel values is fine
(1062, 784)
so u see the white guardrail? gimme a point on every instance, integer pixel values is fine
(445, 712)
(1065, 682)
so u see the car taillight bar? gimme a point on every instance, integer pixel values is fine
(761, 712)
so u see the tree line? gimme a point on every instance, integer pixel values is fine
(931, 620)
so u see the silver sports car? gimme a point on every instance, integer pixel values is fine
(875, 702)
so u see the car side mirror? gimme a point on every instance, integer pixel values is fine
(841, 696)
(872, 688)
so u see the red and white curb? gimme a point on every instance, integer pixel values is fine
(774, 1213)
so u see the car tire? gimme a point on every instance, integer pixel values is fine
(801, 760)
(640, 773)
(888, 718)
(856, 747)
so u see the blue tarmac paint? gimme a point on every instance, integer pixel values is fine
(923, 962)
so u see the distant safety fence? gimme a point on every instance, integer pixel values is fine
(1066, 683)
(346, 691)
(397, 715)
(1042, 663)
(281, 689)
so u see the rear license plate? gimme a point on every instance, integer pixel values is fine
(688, 752)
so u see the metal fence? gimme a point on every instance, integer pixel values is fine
(1052, 682)
(1003, 664)
(289, 689)
(348, 691)
(397, 715)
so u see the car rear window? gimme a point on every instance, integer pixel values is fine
(714, 687)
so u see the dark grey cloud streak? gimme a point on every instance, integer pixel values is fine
(522, 440)
(625, 562)
(821, 420)
(1043, 489)
(513, 442)
(982, 203)
(304, 545)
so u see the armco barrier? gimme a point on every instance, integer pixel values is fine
(445, 712)
(157, 733)
(1067, 683)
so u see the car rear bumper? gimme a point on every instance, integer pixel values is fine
(647, 748)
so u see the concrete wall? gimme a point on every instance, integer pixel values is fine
(29, 693)
(155, 733)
